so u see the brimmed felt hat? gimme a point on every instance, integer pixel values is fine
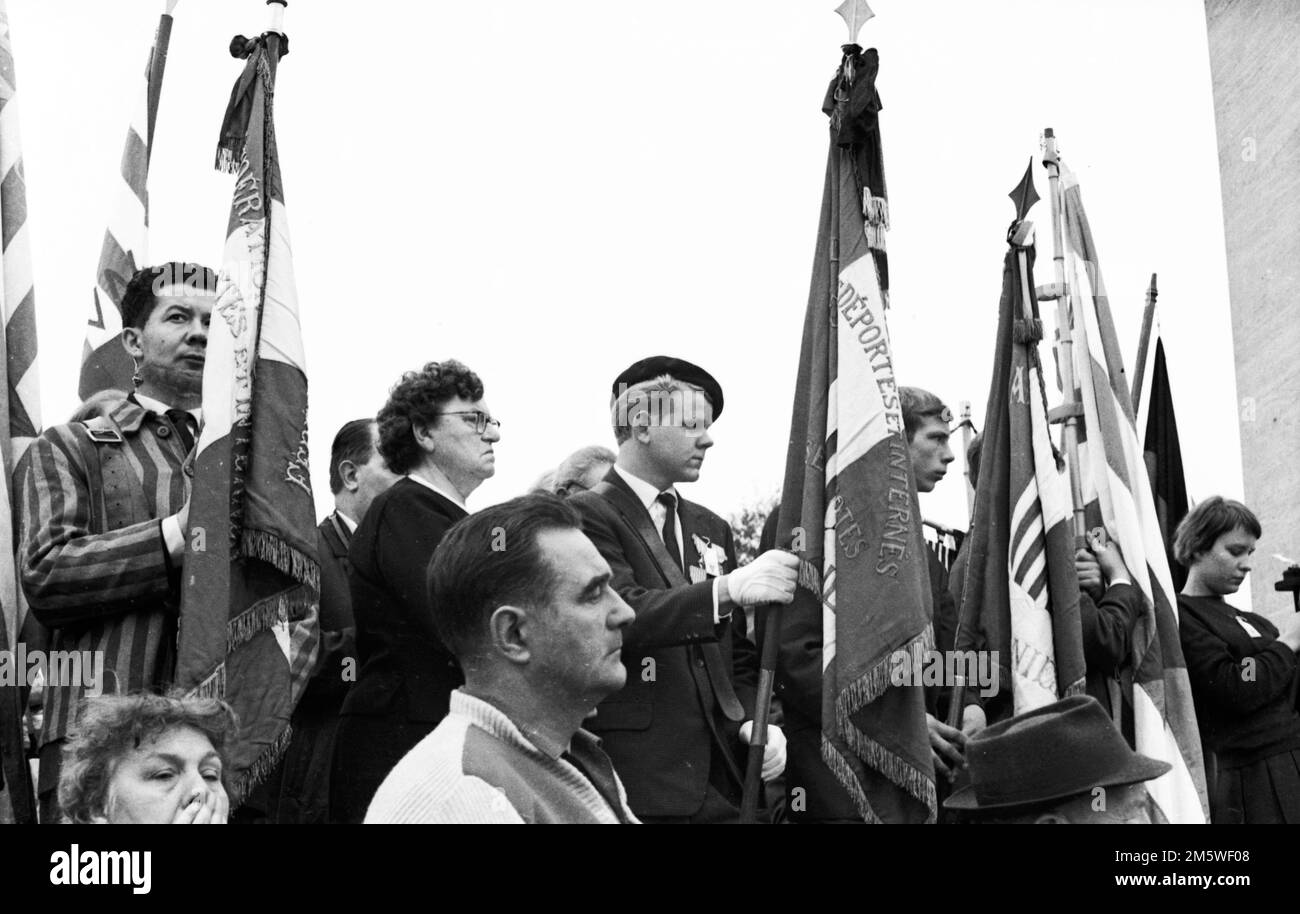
(1056, 751)
(682, 370)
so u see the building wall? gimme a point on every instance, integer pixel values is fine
(1255, 65)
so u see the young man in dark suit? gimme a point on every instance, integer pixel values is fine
(677, 730)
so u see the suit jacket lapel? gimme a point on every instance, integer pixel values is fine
(342, 536)
(619, 494)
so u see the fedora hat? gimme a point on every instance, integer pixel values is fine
(1056, 751)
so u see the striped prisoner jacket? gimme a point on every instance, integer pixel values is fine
(94, 564)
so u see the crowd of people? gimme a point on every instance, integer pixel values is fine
(580, 653)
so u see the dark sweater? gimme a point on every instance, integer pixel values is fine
(1243, 686)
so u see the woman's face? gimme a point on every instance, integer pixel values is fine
(1224, 566)
(454, 444)
(174, 778)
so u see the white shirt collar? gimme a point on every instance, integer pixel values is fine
(161, 408)
(644, 490)
(451, 496)
(347, 521)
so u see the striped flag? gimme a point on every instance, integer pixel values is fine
(21, 418)
(1117, 491)
(849, 505)
(251, 583)
(104, 363)
(1020, 596)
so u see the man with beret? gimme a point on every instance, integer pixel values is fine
(1061, 764)
(677, 730)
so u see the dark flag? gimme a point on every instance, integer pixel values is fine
(1163, 456)
(849, 507)
(251, 586)
(105, 364)
(1020, 596)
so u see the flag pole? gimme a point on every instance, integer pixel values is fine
(964, 406)
(1068, 412)
(855, 14)
(1144, 342)
(277, 15)
(1019, 235)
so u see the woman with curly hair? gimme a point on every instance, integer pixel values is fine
(147, 759)
(1242, 668)
(435, 429)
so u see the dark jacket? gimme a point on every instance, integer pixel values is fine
(406, 675)
(1107, 627)
(1244, 687)
(406, 672)
(690, 682)
(302, 791)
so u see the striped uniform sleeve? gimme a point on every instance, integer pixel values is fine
(69, 574)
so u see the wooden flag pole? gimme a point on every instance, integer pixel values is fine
(1067, 413)
(1144, 342)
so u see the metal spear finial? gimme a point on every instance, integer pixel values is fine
(855, 14)
(1024, 196)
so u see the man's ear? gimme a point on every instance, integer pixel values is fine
(133, 342)
(348, 475)
(641, 428)
(508, 630)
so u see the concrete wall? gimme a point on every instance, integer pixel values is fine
(1255, 63)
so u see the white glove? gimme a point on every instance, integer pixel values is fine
(770, 578)
(773, 752)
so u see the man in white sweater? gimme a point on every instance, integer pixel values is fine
(523, 600)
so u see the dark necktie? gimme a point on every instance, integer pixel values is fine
(669, 501)
(184, 427)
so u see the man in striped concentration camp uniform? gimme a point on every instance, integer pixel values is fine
(105, 509)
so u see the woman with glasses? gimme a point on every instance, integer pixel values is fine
(1242, 668)
(437, 431)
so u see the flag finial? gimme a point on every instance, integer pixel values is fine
(855, 14)
(1023, 195)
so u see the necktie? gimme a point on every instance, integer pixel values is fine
(669, 501)
(184, 427)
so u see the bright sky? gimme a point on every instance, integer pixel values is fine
(550, 191)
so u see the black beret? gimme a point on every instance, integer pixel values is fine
(657, 365)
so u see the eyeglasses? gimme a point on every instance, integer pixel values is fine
(481, 419)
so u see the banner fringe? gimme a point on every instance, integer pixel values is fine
(1027, 331)
(228, 159)
(810, 577)
(848, 779)
(862, 692)
(264, 614)
(213, 685)
(269, 548)
(261, 769)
